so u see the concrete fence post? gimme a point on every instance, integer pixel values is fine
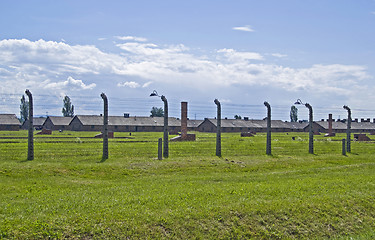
(30, 142)
(166, 148)
(105, 127)
(268, 146)
(311, 133)
(343, 146)
(348, 127)
(218, 128)
(311, 122)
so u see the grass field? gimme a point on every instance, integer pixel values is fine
(67, 192)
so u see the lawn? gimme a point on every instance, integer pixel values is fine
(67, 192)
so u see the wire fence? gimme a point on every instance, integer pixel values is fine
(48, 104)
(84, 147)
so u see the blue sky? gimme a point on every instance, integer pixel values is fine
(241, 52)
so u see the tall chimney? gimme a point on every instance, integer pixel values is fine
(183, 120)
(330, 124)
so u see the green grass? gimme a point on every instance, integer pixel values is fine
(67, 192)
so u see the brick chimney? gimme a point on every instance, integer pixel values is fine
(183, 120)
(330, 124)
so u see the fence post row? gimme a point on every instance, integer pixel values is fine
(30, 153)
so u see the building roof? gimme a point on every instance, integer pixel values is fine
(363, 125)
(297, 125)
(9, 119)
(60, 121)
(335, 125)
(251, 123)
(343, 126)
(39, 121)
(193, 123)
(130, 121)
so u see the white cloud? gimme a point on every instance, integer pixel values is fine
(69, 84)
(57, 57)
(279, 55)
(40, 65)
(146, 84)
(31, 63)
(246, 28)
(132, 38)
(129, 84)
(234, 55)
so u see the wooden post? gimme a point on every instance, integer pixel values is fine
(160, 149)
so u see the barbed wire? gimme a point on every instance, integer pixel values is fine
(52, 104)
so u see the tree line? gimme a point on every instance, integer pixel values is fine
(67, 110)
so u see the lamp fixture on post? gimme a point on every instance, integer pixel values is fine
(154, 93)
(164, 99)
(311, 135)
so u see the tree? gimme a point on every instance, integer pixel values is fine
(237, 117)
(68, 109)
(24, 107)
(157, 112)
(293, 114)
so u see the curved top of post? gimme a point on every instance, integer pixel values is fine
(163, 98)
(308, 106)
(346, 108)
(28, 92)
(103, 96)
(267, 104)
(155, 94)
(217, 102)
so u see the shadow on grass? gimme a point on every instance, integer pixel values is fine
(26, 160)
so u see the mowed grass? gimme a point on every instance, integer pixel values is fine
(68, 192)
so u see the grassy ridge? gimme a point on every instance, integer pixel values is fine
(66, 192)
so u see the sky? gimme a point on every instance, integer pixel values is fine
(242, 52)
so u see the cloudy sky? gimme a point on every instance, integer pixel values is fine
(243, 52)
